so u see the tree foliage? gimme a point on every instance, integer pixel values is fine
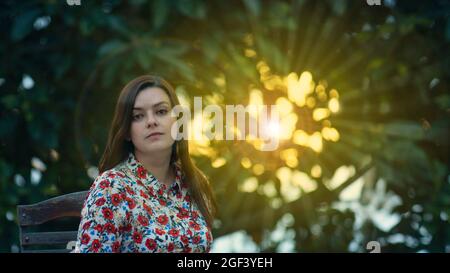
(63, 67)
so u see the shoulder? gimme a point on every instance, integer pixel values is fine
(112, 179)
(109, 182)
(108, 191)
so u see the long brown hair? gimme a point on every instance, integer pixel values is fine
(118, 148)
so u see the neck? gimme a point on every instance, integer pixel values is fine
(158, 166)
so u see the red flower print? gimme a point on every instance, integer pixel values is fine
(141, 172)
(187, 198)
(131, 203)
(143, 220)
(110, 228)
(194, 225)
(120, 175)
(162, 202)
(196, 240)
(160, 231)
(163, 219)
(86, 225)
(129, 190)
(126, 228)
(174, 233)
(96, 244)
(170, 247)
(85, 238)
(194, 215)
(100, 202)
(152, 193)
(128, 215)
(116, 199)
(184, 239)
(160, 192)
(152, 216)
(179, 195)
(116, 247)
(123, 195)
(107, 213)
(150, 244)
(104, 184)
(99, 228)
(183, 213)
(139, 182)
(137, 237)
(144, 195)
(148, 209)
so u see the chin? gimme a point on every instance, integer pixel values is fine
(155, 147)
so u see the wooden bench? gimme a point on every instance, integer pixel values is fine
(63, 206)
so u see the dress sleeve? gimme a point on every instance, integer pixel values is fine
(102, 217)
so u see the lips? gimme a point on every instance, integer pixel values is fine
(154, 134)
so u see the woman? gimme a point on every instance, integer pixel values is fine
(149, 196)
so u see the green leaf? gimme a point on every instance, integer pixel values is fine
(110, 72)
(144, 57)
(178, 64)
(339, 6)
(443, 101)
(160, 11)
(111, 47)
(6, 170)
(137, 2)
(7, 125)
(254, 6)
(405, 129)
(194, 8)
(447, 30)
(23, 24)
(174, 50)
(211, 49)
(10, 101)
(118, 24)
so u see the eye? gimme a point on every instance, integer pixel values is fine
(137, 116)
(161, 112)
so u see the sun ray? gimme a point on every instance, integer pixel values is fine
(299, 63)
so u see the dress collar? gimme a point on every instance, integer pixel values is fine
(148, 178)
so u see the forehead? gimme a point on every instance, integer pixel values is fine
(151, 96)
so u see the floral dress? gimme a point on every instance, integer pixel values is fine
(128, 210)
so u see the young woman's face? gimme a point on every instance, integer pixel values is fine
(151, 121)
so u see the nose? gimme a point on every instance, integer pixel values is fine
(151, 121)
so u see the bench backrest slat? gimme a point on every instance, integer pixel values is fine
(61, 206)
(68, 205)
(48, 238)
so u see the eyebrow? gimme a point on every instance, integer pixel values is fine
(154, 105)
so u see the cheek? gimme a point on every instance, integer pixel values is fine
(168, 122)
(134, 130)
